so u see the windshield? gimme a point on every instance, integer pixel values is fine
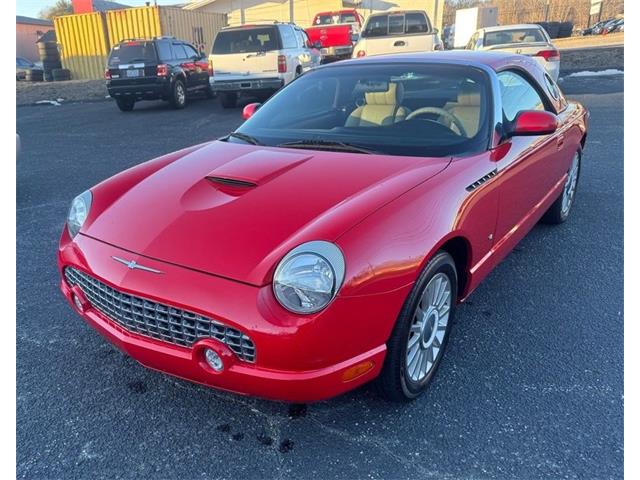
(521, 35)
(130, 52)
(247, 40)
(394, 109)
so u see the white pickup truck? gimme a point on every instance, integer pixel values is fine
(400, 31)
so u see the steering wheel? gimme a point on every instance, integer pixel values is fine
(440, 111)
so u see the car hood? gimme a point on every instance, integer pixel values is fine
(234, 210)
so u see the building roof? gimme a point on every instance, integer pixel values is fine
(33, 21)
(104, 5)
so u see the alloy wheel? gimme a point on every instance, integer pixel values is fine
(428, 329)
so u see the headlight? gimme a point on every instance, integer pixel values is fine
(309, 276)
(78, 212)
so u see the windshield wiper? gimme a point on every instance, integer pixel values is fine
(244, 137)
(328, 145)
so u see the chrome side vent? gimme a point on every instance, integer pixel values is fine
(231, 182)
(482, 180)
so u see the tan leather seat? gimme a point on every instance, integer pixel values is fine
(466, 109)
(380, 108)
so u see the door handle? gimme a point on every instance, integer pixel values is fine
(399, 43)
(560, 140)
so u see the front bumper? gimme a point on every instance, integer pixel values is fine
(245, 85)
(298, 358)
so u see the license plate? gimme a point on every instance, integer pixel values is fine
(133, 73)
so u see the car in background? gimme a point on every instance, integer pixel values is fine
(333, 33)
(25, 67)
(613, 26)
(524, 39)
(164, 68)
(595, 28)
(399, 31)
(327, 241)
(257, 60)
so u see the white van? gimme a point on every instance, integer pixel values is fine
(405, 31)
(258, 59)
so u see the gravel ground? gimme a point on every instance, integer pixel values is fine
(531, 385)
(28, 93)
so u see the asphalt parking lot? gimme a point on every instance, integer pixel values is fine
(531, 385)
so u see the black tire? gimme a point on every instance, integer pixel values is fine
(228, 99)
(61, 74)
(393, 382)
(556, 213)
(178, 99)
(125, 104)
(34, 76)
(48, 76)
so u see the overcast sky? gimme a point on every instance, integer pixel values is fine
(30, 8)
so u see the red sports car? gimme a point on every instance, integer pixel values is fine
(326, 242)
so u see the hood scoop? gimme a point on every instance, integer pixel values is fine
(231, 182)
(255, 168)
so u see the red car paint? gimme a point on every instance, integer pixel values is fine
(218, 245)
(335, 39)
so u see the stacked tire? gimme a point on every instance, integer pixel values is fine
(60, 74)
(33, 76)
(50, 57)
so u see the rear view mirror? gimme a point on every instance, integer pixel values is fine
(249, 110)
(533, 122)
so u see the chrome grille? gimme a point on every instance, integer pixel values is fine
(157, 320)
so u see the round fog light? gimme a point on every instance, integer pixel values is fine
(213, 359)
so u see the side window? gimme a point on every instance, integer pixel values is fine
(178, 51)
(299, 38)
(396, 24)
(288, 38)
(191, 52)
(517, 95)
(416, 23)
(164, 51)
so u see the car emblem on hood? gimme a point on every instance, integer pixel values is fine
(131, 264)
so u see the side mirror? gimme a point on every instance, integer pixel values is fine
(355, 37)
(249, 110)
(533, 122)
(317, 44)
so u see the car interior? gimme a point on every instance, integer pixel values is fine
(407, 109)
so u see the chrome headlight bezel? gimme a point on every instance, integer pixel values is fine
(326, 255)
(78, 212)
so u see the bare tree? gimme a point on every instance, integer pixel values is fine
(61, 7)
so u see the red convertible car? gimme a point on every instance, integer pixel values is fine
(326, 242)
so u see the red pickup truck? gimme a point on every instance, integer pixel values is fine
(334, 30)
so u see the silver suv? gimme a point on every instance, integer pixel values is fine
(257, 60)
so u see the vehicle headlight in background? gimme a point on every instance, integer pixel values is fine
(309, 276)
(78, 212)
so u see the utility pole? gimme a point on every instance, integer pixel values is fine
(546, 11)
(291, 11)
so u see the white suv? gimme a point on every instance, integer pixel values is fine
(397, 32)
(258, 60)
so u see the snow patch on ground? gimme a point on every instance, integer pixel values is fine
(599, 73)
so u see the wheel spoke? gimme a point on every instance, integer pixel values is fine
(413, 341)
